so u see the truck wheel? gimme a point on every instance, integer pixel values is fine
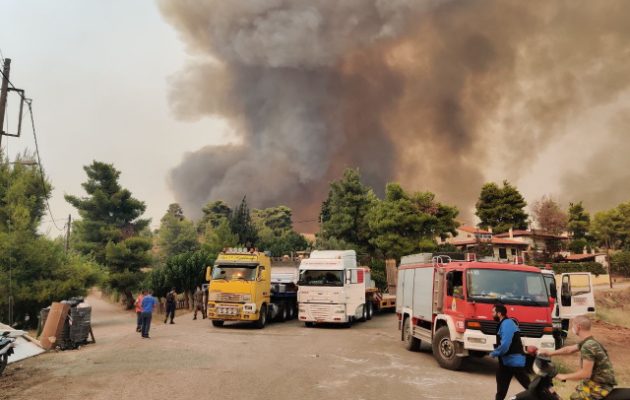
(309, 324)
(363, 314)
(291, 310)
(411, 343)
(217, 323)
(262, 319)
(284, 312)
(559, 339)
(370, 311)
(444, 350)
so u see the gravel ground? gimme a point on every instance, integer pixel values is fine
(191, 359)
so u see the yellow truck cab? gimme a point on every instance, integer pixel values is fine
(243, 288)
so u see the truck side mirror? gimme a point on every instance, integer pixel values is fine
(208, 274)
(553, 292)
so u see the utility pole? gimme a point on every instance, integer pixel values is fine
(68, 232)
(4, 91)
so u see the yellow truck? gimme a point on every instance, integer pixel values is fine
(248, 286)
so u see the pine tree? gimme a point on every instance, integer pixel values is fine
(110, 226)
(242, 225)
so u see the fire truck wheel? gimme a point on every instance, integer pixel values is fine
(559, 339)
(262, 319)
(217, 323)
(411, 343)
(444, 350)
(370, 311)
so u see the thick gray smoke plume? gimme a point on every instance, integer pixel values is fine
(424, 92)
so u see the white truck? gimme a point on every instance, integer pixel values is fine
(332, 288)
(575, 298)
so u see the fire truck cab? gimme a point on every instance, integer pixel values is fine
(448, 304)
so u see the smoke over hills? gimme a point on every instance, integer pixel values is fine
(424, 92)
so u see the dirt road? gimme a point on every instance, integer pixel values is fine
(191, 359)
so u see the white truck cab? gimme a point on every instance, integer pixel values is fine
(331, 288)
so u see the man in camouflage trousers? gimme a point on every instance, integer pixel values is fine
(597, 376)
(199, 303)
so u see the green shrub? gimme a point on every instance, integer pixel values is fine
(594, 268)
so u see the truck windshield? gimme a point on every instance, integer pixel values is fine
(321, 278)
(234, 272)
(508, 287)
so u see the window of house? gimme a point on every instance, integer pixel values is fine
(513, 252)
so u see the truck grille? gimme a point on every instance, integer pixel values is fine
(527, 330)
(319, 311)
(230, 297)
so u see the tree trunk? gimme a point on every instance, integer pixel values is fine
(129, 300)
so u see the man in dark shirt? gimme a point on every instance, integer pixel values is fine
(509, 350)
(171, 304)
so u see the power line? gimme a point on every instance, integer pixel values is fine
(39, 163)
(39, 160)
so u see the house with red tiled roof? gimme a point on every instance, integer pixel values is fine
(468, 238)
(601, 258)
(536, 239)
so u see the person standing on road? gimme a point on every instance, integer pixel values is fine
(148, 304)
(198, 300)
(509, 351)
(596, 374)
(138, 305)
(171, 304)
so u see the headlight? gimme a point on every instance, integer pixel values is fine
(214, 296)
(246, 298)
(549, 345)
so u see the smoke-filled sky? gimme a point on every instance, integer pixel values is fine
(198, 100)
(441, 95)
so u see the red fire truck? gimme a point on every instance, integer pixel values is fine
(448, 304)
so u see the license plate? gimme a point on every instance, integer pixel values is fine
(227, 310)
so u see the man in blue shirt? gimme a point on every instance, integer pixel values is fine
(148, 304)
(509, 350)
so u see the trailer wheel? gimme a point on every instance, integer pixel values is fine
(411, 343)
(262, 319)
(370, 311)
(444, 350)
(217, 323)
(309, 324)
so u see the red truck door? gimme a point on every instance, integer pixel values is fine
(454, 300)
